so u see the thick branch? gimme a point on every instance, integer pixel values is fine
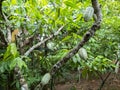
(40, 43)
(86, 37)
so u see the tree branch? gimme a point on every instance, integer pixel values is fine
(86, 37)
(40, 43)
(8, 29)
(1, 13)
(20, 77)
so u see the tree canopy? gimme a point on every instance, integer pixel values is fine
(46, 38)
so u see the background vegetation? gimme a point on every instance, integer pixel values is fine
(32, 21)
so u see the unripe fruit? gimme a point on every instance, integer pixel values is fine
(46, 78)
(83, 53)
(88, 14)
(50, 45)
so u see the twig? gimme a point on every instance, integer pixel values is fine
(100, 76)
(40, 43)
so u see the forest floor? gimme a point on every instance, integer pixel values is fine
(112, 83)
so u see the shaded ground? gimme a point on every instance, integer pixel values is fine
(113, 83)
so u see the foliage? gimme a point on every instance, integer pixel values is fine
(99, 64)
(39, 19)
(11, 59)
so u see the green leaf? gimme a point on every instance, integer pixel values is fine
(13, 2)
(51, 45)
(13, 49)
(11, 52)
(76, 36)
(74, 59)
(17, 61)
(70, 3)
(66, 38)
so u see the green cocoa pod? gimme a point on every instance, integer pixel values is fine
(51, 45)
(83, 53)
(88, 14)
(46, 78)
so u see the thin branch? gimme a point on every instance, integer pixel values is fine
(1, 12)
(9, 35)
(105, 79)
(20, 77)
(99, 75)
(40, 43)
(86, 37)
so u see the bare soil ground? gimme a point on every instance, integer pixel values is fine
(112, 83)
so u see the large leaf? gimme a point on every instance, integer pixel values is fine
(11, 51)
(70, 3)
(19, 62)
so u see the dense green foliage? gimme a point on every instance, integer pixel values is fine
(41, 18)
